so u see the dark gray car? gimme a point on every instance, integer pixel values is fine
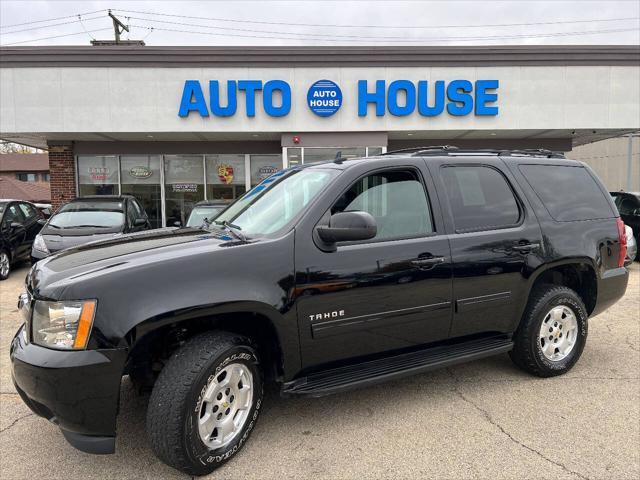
(88, 219)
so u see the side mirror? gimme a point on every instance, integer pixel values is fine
(41, 221)
(139, 222)
(177, 223)
(348, 227)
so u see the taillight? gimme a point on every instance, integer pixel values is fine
(622, 238)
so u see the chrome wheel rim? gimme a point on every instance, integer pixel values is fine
(4, 264)
(224, 407)
(558, 333)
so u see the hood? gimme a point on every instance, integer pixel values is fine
(123, 251)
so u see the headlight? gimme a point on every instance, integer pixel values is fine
(62, 325)
(39, 245)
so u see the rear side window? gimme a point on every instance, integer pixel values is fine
(568, 192)
(480, 198)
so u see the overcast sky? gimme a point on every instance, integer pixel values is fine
(324, 22)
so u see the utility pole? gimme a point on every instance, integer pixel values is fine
(118, 29)
(117, 26)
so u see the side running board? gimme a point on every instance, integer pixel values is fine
(362, 374)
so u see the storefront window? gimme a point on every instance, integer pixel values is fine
(225, 176)
(184, 186)
(263, 166)
(140, 177)
(97, 175)
(373, 151)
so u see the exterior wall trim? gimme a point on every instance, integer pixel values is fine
(360, 56)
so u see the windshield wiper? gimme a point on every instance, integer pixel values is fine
(234, 230)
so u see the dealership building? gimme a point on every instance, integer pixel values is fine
(176, 125)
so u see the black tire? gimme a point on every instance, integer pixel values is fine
(8, 271)
(528, 352)
(175, 404)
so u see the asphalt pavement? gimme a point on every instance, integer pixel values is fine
(485, 419)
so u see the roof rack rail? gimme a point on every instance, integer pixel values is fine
(534, 152)
(452, 150)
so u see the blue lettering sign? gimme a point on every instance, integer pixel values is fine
(324, 98)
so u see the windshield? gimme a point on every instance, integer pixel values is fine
(198, 214)
(272, 204)
(89, 214)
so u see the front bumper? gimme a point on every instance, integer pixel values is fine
(76, 390)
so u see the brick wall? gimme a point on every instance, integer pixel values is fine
(63, 174)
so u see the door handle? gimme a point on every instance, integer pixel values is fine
(427, 262)
(526, 247)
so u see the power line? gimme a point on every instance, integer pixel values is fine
(51, 19)
(402, 39)
(58, 36)
(217, 19)
(51, 25)
(369, 39)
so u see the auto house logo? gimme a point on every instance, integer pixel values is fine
(266, 171)
(324, 98)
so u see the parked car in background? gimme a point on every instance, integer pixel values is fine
(45, 209)
(87, 219)
(628, 204)
(205, 210)
(20, 223)
(632, 246)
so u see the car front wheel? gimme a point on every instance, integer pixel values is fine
(205, 402)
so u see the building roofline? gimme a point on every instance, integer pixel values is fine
(309, 56)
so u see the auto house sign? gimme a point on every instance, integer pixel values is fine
(140, 172)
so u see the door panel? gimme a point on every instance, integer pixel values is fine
(492, 263)
(389, 293)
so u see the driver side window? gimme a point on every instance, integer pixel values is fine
(395, 198)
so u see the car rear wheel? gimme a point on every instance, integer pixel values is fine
(5, 265)
(205, 402)
(552, 333)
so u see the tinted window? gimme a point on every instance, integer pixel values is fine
(397, 201)
(626, 204)
(480, 198)
(569, 193)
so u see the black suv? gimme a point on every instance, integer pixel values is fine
(322, 278)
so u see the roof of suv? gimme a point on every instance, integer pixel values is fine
(102, 198)
(452, 152)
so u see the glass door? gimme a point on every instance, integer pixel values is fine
(140, 176)
(184, 186)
